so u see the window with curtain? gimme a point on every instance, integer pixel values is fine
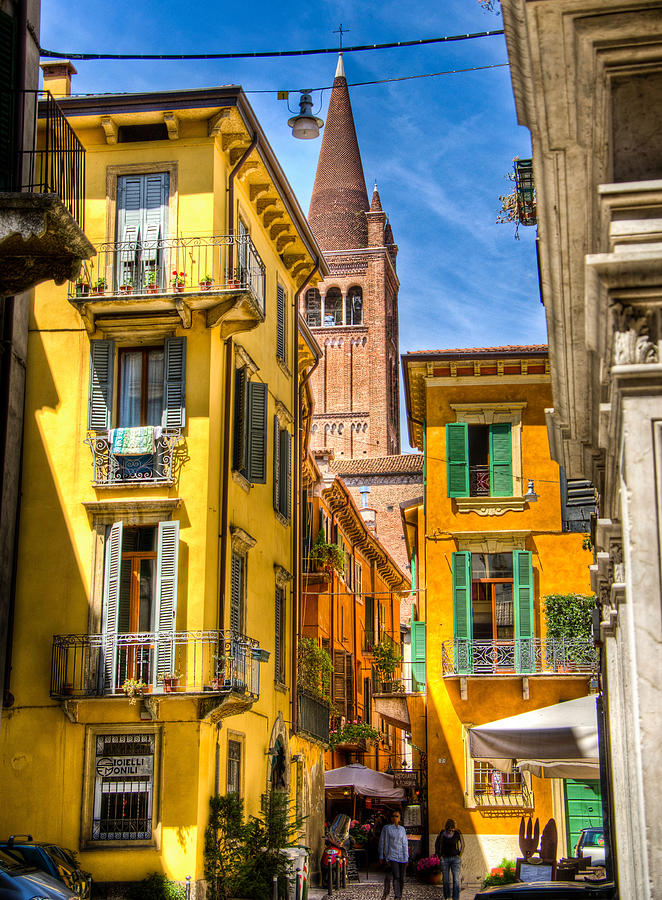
(140, 387)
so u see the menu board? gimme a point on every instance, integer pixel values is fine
(531, 872)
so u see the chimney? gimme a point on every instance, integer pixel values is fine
(57, 77)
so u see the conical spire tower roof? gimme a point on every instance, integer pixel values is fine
(339, 200)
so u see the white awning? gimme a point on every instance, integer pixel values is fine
(361, 780)
(559, 741)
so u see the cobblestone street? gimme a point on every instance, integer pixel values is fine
(372, 890)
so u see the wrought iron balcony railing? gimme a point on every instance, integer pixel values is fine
(103, 665)
(159, 467)
(55, 163)
(313, 715)
(525, 656)
(479, 481)
(185, 265)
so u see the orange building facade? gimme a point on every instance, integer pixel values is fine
(487, 547)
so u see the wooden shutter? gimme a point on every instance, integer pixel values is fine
(166, 596)
(100, 400)
(240, 438)
(280, 326)
(523, 601)
(7, 102)
(339, 681)
(501, 460)
(286, 473)
(111, 603)
(257, 432)
(174, 383)
(276, 467)
(369, 621)
(418, 655)
(236, 592)
(142, 218)
(462, 616)
(349, 684)
(278, 644)
(358, 578)
(457, 459)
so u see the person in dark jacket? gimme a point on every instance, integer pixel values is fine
(448, 847)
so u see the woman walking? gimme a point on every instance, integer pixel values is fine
(448, 847)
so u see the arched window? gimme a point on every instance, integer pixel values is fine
(313, 308)
(354, 306)
(333, 307)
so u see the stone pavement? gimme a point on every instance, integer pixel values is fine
(372, 890)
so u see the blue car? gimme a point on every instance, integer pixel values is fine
(21, 882)
(55, 861)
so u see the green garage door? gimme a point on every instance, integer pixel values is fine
(583, 807)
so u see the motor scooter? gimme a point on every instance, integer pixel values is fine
(336, 844)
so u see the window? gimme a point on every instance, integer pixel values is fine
(281, 324)
(234, 767)
(354, 306)
(577, 503)
(348, 569)
(333, 307)
(343, 683)
(418, 655)
(479, 460)
(139, 598)
(279, 643)
(487, 787)
(493, 612)
(123, 787)
(369, 622)
(142, 225)
(250, 427)
(313, 308)
(282, 473)
(358, 580)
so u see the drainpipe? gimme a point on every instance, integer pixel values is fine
(231, 177)
(229, 349)
(296, 506)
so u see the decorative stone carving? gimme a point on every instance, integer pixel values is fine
(283, 577)
(241, 540)
(632, 338)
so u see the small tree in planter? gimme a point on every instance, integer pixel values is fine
(387, 659)
(352, 733)
(327, 556)
(569, 620)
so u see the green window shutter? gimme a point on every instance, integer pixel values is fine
(412, 566)
(236, 593)
(285, 500)
(166, 597)
(257, 431)
(276, 473)
(240, 438)
(111, 603)
(457, 459)
(7, 102)
(501, 460)
(174, 383)
(462, 612)
(280, 326)
(523, 601)
(100, 400)
(418, 655)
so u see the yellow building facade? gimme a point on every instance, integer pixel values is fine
(487, 548)
(156, 612)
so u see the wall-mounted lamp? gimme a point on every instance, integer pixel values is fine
(296, 757)
(305, 126)
(530, 496)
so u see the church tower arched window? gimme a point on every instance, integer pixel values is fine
(333, 307)
(354, 306)
(313, 308)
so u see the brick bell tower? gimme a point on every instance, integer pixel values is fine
(354, 313)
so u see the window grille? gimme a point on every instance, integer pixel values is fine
(234, 767)
(123, 787)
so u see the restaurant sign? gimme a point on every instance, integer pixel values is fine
(405, 779)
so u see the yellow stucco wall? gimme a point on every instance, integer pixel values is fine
(46, 779)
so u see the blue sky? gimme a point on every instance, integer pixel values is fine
(439, 148)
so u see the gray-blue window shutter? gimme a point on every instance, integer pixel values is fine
(257, 430)
(276, 464)
(100, 400)
(236, 592)
(280, 319)
(111, 604)
(166, 597)
(285, 473)
(174, 383)
(240, 437)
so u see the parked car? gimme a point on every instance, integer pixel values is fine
(551, 890)
(55, 861)
(19, 881)
(592, 843)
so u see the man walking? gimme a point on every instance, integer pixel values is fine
(394, 849)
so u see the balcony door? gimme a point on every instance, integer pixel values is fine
(136, 603)
(142, 226)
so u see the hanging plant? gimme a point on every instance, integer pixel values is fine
(352, 733)
(329, 556)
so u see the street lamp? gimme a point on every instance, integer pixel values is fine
(305, 126)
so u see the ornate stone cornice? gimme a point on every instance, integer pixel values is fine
(131, 512)
(285, 417)
(283, 577)
(245, 358)
(241, 540)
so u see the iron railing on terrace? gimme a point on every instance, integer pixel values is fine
(525, 656)
(98, 665)
(313, 715)
(175, 265)
(497, 790)
(159, 467)
(55, 163)
(409, 680)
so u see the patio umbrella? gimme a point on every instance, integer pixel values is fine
(559, 741)
(362, 781)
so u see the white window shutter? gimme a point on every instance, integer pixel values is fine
(100, 399)
(111, 602)
(174, 383)
(166, 596)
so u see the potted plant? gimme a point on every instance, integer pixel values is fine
(428, 869)
(150, 282)
(127, 285)
(133, 688)
(99, 286)
(387, 659)
(82, 289)
(205, 283)
(178, 281)
(503, 874)
(170, 681)
(327, 556)
(353, 732)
